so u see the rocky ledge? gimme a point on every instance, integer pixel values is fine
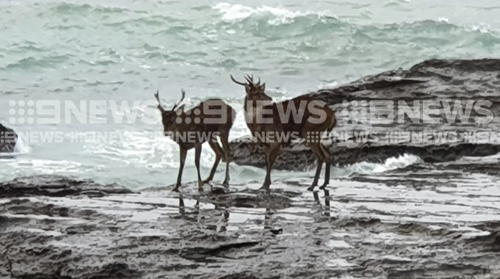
(437, 220)
(367, 131)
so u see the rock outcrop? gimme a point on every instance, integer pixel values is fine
(8, 139)
(368, 132)
(57, 186)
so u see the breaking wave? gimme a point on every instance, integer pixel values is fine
(276, 15)
(392, 163)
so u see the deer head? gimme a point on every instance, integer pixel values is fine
(253, 90)
(169, 116)
(255, 97)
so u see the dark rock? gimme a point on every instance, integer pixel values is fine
(254, 199)
(200, 254)
(114, 270)
(57, 186)
(248, 275)
(8, 139)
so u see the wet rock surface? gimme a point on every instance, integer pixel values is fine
(381, 116)
(407, 223)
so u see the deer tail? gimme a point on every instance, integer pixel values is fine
(232, 115)
(332, 120)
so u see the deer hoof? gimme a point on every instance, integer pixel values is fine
(265, 191)
(176, 189)
(264, 188)
(311, 188)
(323, 187)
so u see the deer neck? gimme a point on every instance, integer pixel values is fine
(252, 109)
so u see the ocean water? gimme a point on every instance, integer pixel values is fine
(76, 52)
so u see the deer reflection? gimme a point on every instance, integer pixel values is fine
(269, 221)
(217, 218)
(269, 215)
(324, 211)
(219, 226)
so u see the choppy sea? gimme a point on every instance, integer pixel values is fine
(74, 53)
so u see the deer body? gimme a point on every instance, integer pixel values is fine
(209, 120)
(312, 120)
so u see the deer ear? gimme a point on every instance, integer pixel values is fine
(263, 87)
(248, 89)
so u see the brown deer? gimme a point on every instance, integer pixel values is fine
(314, 119)
(210, 119)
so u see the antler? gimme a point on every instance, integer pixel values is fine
(178, 102)
(237, 82)
(157, 96)
(249, 79)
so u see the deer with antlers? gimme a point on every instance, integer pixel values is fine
(209, 120)
(312, 120)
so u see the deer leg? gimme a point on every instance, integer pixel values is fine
(218, 154)
(183, 153)
(319, 164)
(328, 163)
(197, 156)
(264, 148)
(182, 210)
(272, 152)
(224, 138)
(316, 150)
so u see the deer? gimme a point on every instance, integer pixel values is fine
(315, 119)
(209, 120)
